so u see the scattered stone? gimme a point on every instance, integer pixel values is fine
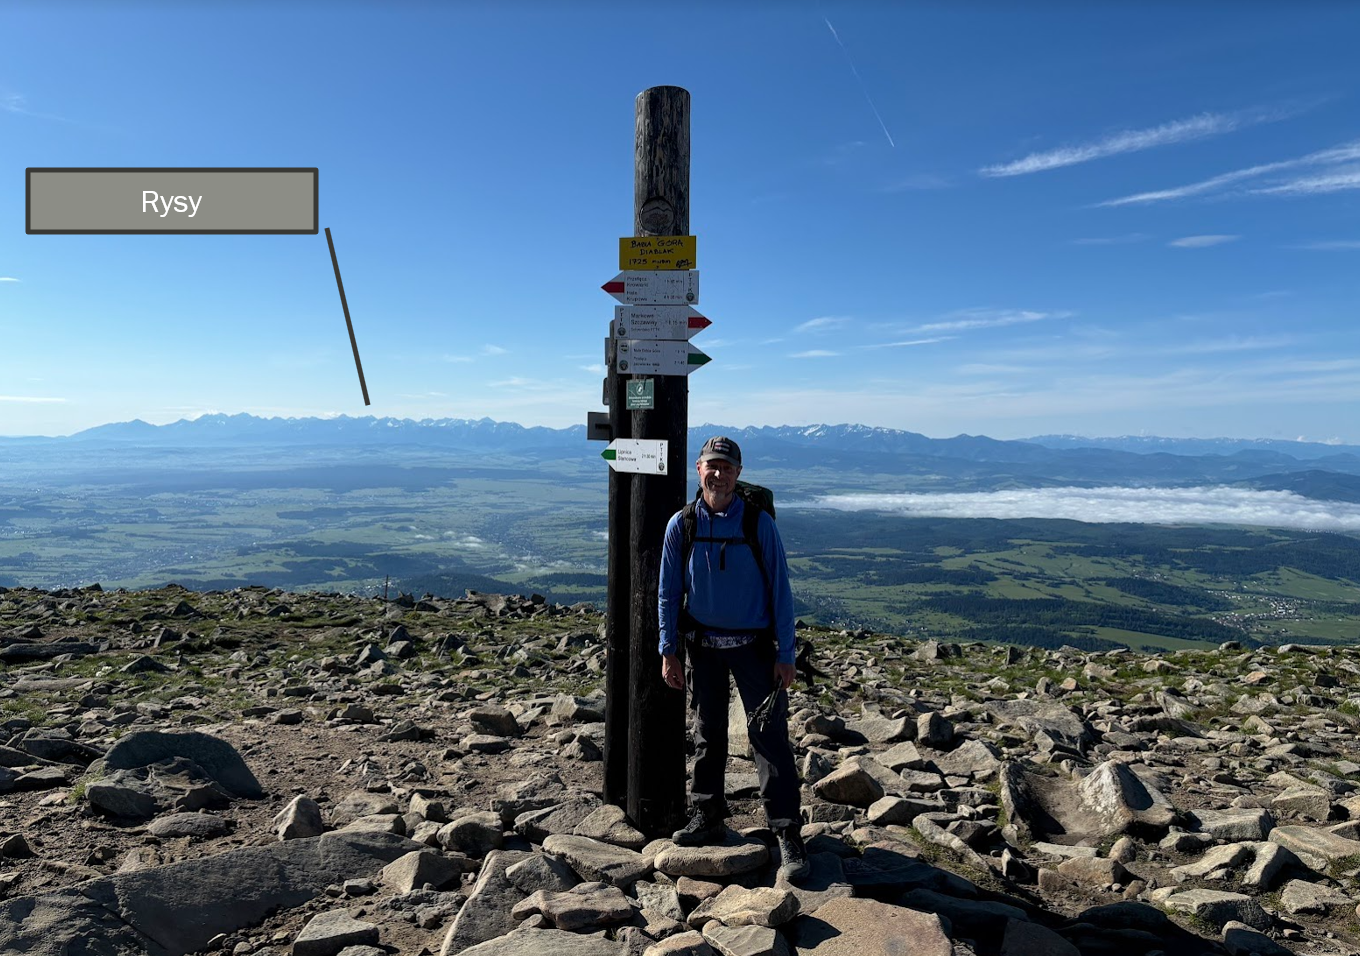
(857, 927)
(733, 857)
(300, 819)
(326, 934)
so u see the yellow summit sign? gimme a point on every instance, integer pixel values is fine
(658, 252)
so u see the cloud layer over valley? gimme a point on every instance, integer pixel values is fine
(1204, 505)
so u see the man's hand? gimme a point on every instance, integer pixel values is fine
(674, 674)
(784, 675)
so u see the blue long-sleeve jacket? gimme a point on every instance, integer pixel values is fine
(729, 594)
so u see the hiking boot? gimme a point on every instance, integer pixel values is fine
(703, 829)
(793, 861)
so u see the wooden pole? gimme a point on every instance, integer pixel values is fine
(656, 732)
(618, 602)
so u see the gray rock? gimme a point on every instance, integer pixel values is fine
(734, 856)
(745, 940)
(858, 927)
(415, 869)
(681, 944)
(1051, 725)
(541, 872)
(659, 898)
(1235, 825)
(487, 913)
(974, 758)
(202, 826)
(739, 906)
(563, 817)
(300, 819)
(476, 833)
(1271, 860)
(609, 824)
(1094, 871)
(328, 933)
(581, 709)
(904, 756)
(1218, 907)
(881, 730)
(1123, 801)
(934, 731)
(1217, 864)
(217, 757)
(850, 784)
(986, 919)
(1022, 938)
(495, 720)
(537, 791)
(588, 906)
(360, 803)
(546, 942)
(123, 794)
(594, 860)
(176, 909)
(1303, 803)
(1241, 940)
(1309, 899)
(1317, 849)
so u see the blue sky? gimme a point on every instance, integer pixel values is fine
(1089, 218)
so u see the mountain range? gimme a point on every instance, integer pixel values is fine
(965, 462)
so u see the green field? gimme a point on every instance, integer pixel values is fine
(352, 521)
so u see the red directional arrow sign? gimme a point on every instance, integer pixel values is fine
(658, 322)
(656, 287)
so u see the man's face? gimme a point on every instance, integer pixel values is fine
(718, 478)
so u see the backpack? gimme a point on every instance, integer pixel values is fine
(755, 499)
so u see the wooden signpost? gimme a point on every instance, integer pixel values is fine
(644, 751)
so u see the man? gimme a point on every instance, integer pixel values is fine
(734, 622)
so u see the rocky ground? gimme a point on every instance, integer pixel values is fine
(256, 772)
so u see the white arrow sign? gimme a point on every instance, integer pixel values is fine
(657, 287)
(657, 357)
(641, 456)
(658, 322)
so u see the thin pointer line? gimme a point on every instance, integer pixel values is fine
(348, 324)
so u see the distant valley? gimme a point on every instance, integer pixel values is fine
(443, 505)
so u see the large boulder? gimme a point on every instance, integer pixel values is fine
(176, 909)
(215, 756)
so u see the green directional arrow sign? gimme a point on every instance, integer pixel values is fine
(657, 357)
(641, 456)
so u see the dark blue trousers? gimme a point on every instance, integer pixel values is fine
(752, 666)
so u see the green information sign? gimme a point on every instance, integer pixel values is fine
(641, 395)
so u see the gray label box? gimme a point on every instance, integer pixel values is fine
(171, 200)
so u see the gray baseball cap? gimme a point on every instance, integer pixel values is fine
(721, 447)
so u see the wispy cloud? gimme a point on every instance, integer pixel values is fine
(906, 343)
(987, 319)
(1348, 178)
(1332, 245)
(597, 369)
(1126, 141)
(455, 358)
(8, 279)
(494, 350)
(1112, 240)
(1232, 343)
(1204, 505)
(862, 88)
(826, 323)
(814, 353)
(1346, 152)
(1200, 242)
(32, 400)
